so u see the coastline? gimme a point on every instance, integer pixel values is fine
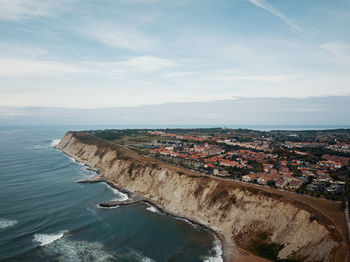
(144, 176)
(228, 246)
(228, 255)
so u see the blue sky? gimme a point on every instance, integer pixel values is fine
(124, 53)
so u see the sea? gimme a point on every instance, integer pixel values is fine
(46, 216)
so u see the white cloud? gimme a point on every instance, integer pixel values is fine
(147, 63)
(19, 67)
(23, 9)
(270, 8)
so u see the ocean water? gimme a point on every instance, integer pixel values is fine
(46, 216)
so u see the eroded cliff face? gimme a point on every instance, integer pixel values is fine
(247, 215)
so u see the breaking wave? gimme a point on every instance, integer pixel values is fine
(72, 159)
(153, 209)
(45, 239)
(216, 252)
(68, 250)
(55, 142)
(4, 223)
(120, 196)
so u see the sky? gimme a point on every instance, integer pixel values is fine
(85, 54)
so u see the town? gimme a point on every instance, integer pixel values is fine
(307, 162)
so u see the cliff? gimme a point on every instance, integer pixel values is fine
(262, 221)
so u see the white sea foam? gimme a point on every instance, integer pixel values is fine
(45, 239)
(86, 173)
(120, 196)
(68, 250)
(147, 259)
(4, 223)
(55, 142)
(72, 159)
(216, 252)
(153, 209)
(188, 222)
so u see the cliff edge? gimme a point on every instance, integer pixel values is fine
(263, 221)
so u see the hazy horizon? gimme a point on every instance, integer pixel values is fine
(325, 111)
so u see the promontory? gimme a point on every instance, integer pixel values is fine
(251, 220)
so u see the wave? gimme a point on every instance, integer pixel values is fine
(4, 223)
(84, 172)
(68, 250)
(45, 239)
(156, 210)
(216, 252)
(147, 259)
(55, 142)
(120, 196)
(72, 159)
(153, 209)
(188, 222)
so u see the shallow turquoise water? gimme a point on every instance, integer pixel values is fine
(46, 216)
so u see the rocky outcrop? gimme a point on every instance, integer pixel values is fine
(264, 222)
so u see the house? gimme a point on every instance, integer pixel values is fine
(281, 182)
(295, 183)
(251, 177)
(224, 173)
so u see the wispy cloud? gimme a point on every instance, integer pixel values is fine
(147, 63)
(23, 9)
(340, 50)
(120, 36)
(273, 10)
